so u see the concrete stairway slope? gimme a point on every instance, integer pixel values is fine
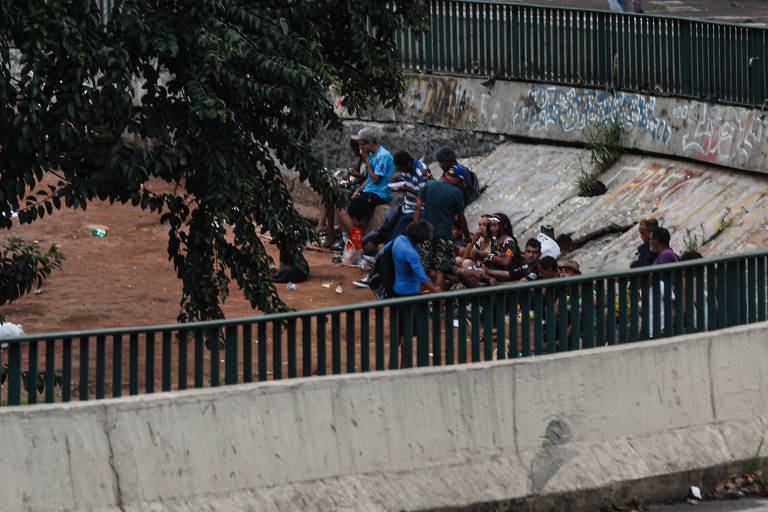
(536, 184)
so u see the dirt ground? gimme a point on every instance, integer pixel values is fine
(125, 278)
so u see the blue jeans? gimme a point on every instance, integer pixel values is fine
(405, 219)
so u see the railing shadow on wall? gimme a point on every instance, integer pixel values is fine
(597, 49)
(483, 324)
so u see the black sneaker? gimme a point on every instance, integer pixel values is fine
(362, 283)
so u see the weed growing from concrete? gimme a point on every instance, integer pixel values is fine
(603, 140)
(692, 241)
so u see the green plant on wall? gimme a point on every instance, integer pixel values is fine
(692, 241)
(603, 140)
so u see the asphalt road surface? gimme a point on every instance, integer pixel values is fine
(753, 12)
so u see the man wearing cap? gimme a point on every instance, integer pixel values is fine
(375, 189)
(446, 159)
(442, 201)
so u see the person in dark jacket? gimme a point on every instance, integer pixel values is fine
(645, 255)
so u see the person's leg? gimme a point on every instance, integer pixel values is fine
(330, 219)
(345, 221)
(327, 224)
(321, 225)
(444, 260)
(469, 278)
(391, 217)
(405, 219)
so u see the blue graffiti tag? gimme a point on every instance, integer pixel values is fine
(571, 110)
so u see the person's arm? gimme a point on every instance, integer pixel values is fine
(360, 188)
(417, 212)
(500, 260)
(498, 274)
(418, 270)
(429, 287)
(376, 175)
(367, 159)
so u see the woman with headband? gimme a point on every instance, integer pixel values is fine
(502, 254)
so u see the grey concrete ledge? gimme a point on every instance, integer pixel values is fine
(595, 425)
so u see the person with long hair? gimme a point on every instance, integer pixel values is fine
(503, 255)
(478, 247)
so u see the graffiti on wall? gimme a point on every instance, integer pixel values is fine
(723, 134)
(438, 100)
(571, 110)
(545, 107)
(717, 133)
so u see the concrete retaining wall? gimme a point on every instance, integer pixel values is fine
(731, 136)
(417, 439)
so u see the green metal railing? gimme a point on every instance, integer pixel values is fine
(589, 48)
(599, 49)
(449, 328)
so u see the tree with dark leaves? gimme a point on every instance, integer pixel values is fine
(189, 108)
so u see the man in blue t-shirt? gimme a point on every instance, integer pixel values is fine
(442, 201)
(375, 189)
(413, 176)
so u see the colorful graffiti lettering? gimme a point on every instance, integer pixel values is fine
(571, 110)
(720, 133)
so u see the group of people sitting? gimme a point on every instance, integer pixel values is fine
(428, 220)
(432, 246)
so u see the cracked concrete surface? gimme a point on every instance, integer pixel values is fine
(535, 184)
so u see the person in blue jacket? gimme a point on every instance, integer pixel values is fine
(410, 277)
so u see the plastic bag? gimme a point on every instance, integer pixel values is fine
(548, 246)
(351, 254)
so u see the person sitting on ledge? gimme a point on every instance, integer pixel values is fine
(375, 189)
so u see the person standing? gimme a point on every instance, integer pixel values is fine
(446, 159)
(375, 189)
(410, 277)
(442, 201)
(645, 254)
(660, 244)
(624, 6)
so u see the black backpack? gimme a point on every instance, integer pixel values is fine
(471, 187)
(381, 280)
